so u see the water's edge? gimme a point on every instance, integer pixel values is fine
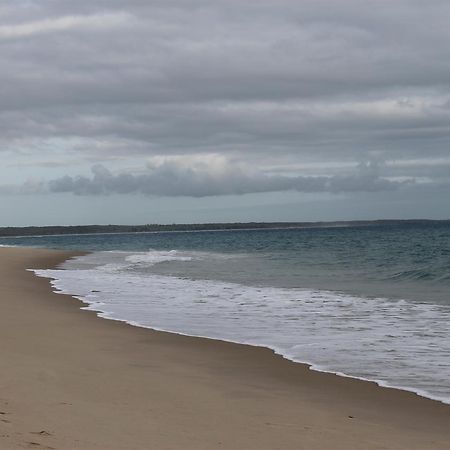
(93, 306)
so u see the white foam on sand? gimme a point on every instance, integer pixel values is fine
(397, 344)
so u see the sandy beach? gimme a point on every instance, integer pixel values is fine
(70, 380)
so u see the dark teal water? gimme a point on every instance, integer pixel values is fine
(401, 261)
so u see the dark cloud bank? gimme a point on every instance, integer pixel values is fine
(171, 180)
(270, 84)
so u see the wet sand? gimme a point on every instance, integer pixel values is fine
(70, 380)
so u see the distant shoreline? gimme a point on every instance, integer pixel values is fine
(222, 226)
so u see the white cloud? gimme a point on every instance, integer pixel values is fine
(64, 23)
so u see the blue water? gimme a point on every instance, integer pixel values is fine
(369, 302)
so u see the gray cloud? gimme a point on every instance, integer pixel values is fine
(267, 83)
(171, 178)
(103, 59)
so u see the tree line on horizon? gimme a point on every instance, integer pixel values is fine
(148, 228)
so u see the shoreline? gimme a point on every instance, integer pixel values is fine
(93, 305)
(128, 386)
(86, 306)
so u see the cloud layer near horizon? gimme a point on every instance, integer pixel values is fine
(293, 95)
(202, 180)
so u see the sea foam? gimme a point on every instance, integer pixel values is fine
(395, 343)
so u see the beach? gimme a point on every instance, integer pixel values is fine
(71, 380)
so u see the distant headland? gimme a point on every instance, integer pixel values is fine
(149, 228)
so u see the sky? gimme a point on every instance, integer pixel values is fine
(166, 111)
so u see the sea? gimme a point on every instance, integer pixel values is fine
(369, 302)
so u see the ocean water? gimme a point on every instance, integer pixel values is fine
(366, 302)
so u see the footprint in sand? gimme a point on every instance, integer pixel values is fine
(41, 433)
(37, 444)
(3, 413)
(2, 417)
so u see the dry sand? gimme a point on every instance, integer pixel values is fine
(69, 380)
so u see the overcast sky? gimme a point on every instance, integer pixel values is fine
(143, 111)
